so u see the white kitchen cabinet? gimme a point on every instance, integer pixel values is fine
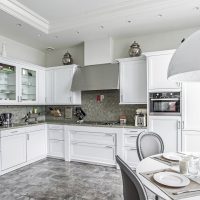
(94, 153)
(58, 86)
(130, 154)
(169, 129)
(41, 87)
(49, 87)
(157, 68)
(56, 146)
(98, 51)
(13, 150)
(191, 141)
(93, 144)
(191, 106)
(36, 144)
(133, 81)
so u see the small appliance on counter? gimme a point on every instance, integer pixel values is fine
(80, 114)
(6, 119)
(141, 117)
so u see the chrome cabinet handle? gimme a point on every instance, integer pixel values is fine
(14, 132)
(179, 125)
(109, 147)
(121, 98)
(131, 136)
(183, 125)
(132, 149)
(27, 136)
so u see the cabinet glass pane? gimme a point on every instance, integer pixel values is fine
(7, 82)
(28, 85)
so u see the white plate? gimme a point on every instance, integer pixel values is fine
(172, 156)
(171, 179)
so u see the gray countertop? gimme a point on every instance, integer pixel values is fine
(62, 122)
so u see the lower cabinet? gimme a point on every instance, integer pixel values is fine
(93, 153)
(56, 146)
(130, 146)
(131, 156)
(36, 144)
(93, 144)
(13, 151)
(191, 141)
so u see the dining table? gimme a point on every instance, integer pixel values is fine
(149, 164)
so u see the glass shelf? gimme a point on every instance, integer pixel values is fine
(26, 85)
(29, 94)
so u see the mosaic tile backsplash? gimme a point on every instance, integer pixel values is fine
(20, 111)
(107, 110)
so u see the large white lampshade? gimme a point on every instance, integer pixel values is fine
(185, 63)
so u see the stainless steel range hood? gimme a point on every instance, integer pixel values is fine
(96, 77)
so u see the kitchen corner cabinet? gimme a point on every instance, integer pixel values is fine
(133, 80)
(157, 68)
(58, 86)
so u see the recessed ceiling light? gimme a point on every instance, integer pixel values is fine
(160, 15)
(19, 25)
(49, 49)
(197, 8)
(129, 21)
(77, 32)
(101, 27)
(56, 37)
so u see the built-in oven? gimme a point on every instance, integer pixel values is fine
(165, 103)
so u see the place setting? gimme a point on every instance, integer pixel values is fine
(179, 184)
(170, 159)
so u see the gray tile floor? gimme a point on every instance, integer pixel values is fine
(58, 180)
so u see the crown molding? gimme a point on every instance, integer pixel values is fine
(120, 10)
(26, 15)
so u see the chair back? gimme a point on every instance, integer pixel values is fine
(149, 144)
(132, 186)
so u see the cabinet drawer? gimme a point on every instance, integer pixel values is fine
(56, 148)
(93, 137)
(93, 153)
(131, 156)
(56, 134)
(55, 127)
(130, 140)
(36, 128)
(11, 132)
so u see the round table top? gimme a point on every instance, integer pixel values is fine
(149, 164)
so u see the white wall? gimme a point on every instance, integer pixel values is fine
(23, 52)
(152, 42)
(54, 58)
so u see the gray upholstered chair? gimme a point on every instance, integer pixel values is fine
(148, 144)
(132, 186)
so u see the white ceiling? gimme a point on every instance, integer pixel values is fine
(65, 23)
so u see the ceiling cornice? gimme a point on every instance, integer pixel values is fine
(26, 15)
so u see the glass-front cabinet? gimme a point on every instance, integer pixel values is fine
(8, 86)
(28, 85)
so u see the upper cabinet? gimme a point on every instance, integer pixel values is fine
(21, 83)
(157, 67)
(58, 86)
(98, 51)
(133, 80)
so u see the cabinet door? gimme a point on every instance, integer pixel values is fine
(131, 156)
(191, 141)
(62, 85)
(49, 86)
(157, 72)
(56, 148)
(36, 144)
(191, 106)
(133, 82)
(169, 129)
(41, 86)
(8, 84)
(28, 85)
(13, 150)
